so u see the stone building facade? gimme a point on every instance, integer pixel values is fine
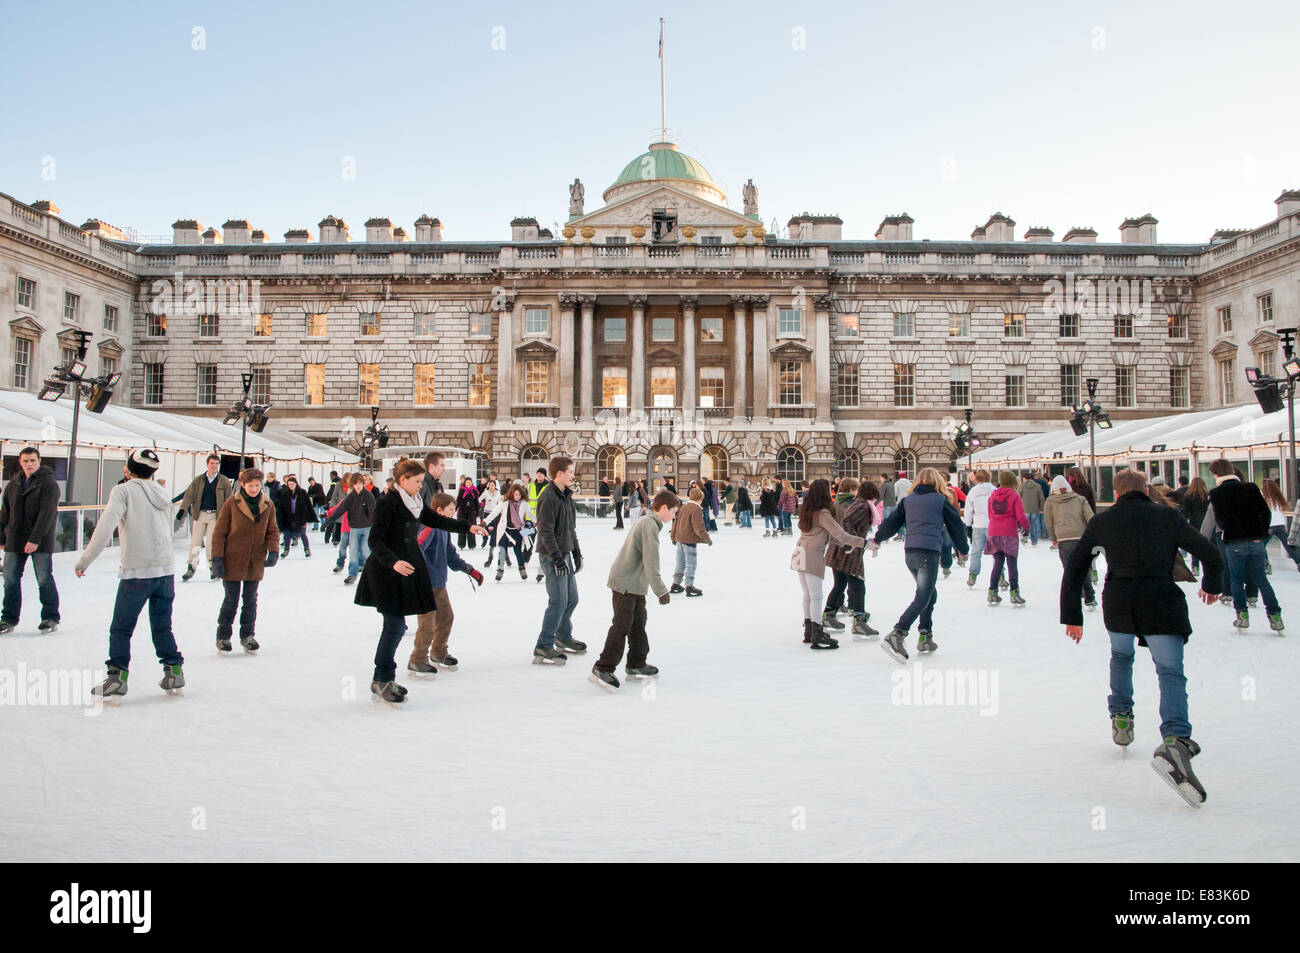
(664, 332)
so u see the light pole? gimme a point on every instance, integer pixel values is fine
(375, 436)
(97, 391)
(247, 414)
(967, 439)
(1269, 392)
(1088, 418)
(246, 379)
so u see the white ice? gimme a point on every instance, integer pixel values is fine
(748, 747)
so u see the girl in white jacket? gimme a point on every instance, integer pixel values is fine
(508, 521)
(977, 518)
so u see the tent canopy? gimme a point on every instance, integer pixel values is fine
(1235, 429)
(24, 418)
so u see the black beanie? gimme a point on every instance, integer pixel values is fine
(143, 463)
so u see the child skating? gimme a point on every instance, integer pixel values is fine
(433, 629)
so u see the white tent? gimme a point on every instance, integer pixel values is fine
(182, 443)
(1170, 446)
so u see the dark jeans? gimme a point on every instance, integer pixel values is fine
(1063, 549)
(1246, 559)
(43, 566)
(627, 629)
(386, 653)
(1013, 570)
(945, 551)
(132, 596)
(333, 532)
(460, 542)
(835, 598)
(514, 541)
(1252, 591)
(561, 600)
(855, 588)
(1280, 533)
(226, 615)
(618, 514)
(923, 564)
(289, 536)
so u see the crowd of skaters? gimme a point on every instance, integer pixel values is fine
(401, 555)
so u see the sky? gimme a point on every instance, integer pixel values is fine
(1079, 114)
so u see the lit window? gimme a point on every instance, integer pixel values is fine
(537, 379)
(263, 325)
(208, 325)
(156, 325)
(613, 386)
(424, 393)
(710, 330)
(790, 383)
(425, 324)
(367, 384)
(314, 377)
(715, 464)
(663, 386)
(480, 385)
(959, 325)
(316, 326)
(1178, 327)
(1013, 325)
(369, 325)
(611, 465)
(480, 324)
(847, 325)
(713, 387)
(904, 385)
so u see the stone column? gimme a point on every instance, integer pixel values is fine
(636, 395)
(588, 356)
(739, 364)
(689, 400)
(822, 356)
(505, 355)
(567, 303)
(761, 305)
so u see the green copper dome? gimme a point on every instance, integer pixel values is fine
(664, 161)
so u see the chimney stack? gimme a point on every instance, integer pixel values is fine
(523, 229)
(1080, 236)
(895, 228)
(46, 206)
(999, 228)
(333, 229)
(297, 236)
(379, 230)
(1039, 233)
(1288, 202)
(186, 231)
(212, 237)
(428, 229)
(238, 231)
(104, 230)
(1140, 231)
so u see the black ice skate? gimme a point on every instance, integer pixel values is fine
(1173, 762)
(49, 625)
(249, 644)
(675, 588)
(189, 574)
(223, 645)
(500, 572)
(551, 656)
(388, 692)
(605, 680)
(641, 671)
(572, 646)
(445, 662)
(6, 628)
(692, 592)
(820, 640)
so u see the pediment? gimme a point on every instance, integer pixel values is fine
(112, 348)
(26, 325)
(1223, 349)
(791, 351)
(536, 350)
(637, 209)
(662, 355)
(1264, 338)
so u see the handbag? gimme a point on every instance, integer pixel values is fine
(1181, 572)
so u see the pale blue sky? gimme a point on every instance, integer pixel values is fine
(1056, 114)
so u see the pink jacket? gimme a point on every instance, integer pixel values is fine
(1012, 513)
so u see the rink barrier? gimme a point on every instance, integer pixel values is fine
(74, 526)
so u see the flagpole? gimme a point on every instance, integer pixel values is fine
(663, 122)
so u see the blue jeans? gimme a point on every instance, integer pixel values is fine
(977, 540)
(685, 564)
(923, 564)
(359, 540)
(43, 566)
(1167, 653)
(745, 517)
(343, 547)
(1037, 528)
(770, 522)
(786, 521)
(390, 636)
(1280, 533)
(561, 600)
(1246, 559)
(945, 550)
(132, 596)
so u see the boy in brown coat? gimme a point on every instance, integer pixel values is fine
(245, 541)
(688, 532)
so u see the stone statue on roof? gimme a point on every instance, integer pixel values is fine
(576, 195)
(751, 198)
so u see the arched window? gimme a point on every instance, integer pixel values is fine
(715, 464)
(905, 463)
(663, 466)
(789, 465)
(611, 465)
(848, 463)
(531, 459)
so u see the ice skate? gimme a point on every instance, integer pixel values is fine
(1090, 603)
(337, 569)
(173, 680)
(500, 572)
(390, 693)
(1173, 762)
(1242, 621)
(641, 671)
(971, 579)
(423, 670)
(1003, 584)
(551, 656)
(349, 580)
(189, 574)
(1252, 602)
(6, 628)
(446, 662)
(830, 622)
(863, 632)
(223, 645)
(112, 688)
(1121, 728)
(1016, 600)
(605, 680)
(523, 573)
(807, 631)
(820, 640)
(572, 646)
(692, 592)
(994, 599)
(675, 588)
(1275, 622)
(925, 643)
(894, 647)
(947, 571)
(249, 645)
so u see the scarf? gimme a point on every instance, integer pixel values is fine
(253, 501)
(413, 503)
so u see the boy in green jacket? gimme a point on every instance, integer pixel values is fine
(635, 569)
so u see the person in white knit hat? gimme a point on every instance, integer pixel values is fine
(140, 510)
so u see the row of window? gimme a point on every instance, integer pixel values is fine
(715, 463)
(1013, 325)
(368, 325)
(847, 381)
(1263, 308)
(24, 348)
(71, 304)
(480, 385)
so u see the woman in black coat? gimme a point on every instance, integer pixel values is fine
(467, 509)
(395, 579)
(744, 506)
(293, 511)
(769, 507)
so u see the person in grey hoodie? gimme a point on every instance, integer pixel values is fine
(1031, 495)
(1066, 515)
(140, 511)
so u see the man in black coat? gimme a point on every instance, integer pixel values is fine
(1141, 601)
(28, 513)
(1243, 517)
(293, 511)
(434, 465)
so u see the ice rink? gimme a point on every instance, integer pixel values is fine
(748, 747)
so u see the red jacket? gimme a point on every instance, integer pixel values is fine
(1006, 511)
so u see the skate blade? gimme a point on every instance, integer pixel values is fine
(643, 678)
(900, 659)
(573, 651)
(175, 692)
(110, 701)
(547, 661)
(422, 676)
(866, 638)
(612, 689)
(386, 703)
(1185, 791)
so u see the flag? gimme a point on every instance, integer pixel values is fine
(661, 38)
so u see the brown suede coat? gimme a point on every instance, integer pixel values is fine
(244, 542)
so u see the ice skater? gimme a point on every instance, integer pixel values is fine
(433, 629)
(560, 560)
(246, 540)
(817, 527)
(29, 511)
(689, 530)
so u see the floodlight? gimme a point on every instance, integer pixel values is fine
(1269, 396)
(1292, 368)
(1252, 375)
(259, 418)
(52, 389)
(99, 396)
(77, 369)
(1079, 424)
(1103, 421)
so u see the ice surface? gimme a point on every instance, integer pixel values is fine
(749, 746)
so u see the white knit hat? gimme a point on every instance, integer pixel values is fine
(1060, 483)
(143, 462)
